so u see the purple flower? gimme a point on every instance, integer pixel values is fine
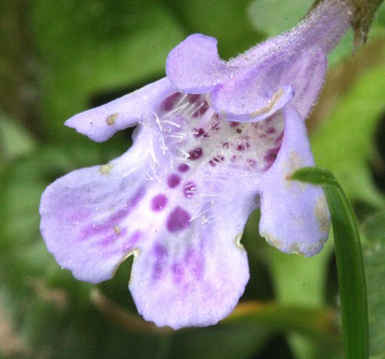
(215, 141)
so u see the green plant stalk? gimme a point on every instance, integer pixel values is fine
(314, 323)
(350, 268)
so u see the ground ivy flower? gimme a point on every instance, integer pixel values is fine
(215, 141)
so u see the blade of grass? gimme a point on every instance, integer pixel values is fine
(350, 268)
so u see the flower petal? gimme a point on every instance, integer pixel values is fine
(85, 214)
(307, 76)
(322, 28)
(103, 122)
(195, 274)
(200, 53)
(294, 216)
(190, 269)
(265, 89)
(246, 101)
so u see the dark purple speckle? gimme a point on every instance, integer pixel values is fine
(160, 251)
(279, 139)
(216, 123)
(178, 220)
(200, 133)
(173, 180)
(196, 153)
(271, 156)
(111, 239)
(178, 272)
(225, 145)
(183, 167)
(189, 189)
(138, 196)
(201, 110)
(194, 98)
(193, 260)
(159, 202)
(169, 103)
(251, 162)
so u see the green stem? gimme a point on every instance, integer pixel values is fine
(315, 323)
(350, 268)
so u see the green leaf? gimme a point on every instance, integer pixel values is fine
(275, 16)
(374, 254)
(233, 341)
(350, 267)
(381, 16)
(93, 46)
(345, 142)
(305, 286)
(15, 141)
(227, 20)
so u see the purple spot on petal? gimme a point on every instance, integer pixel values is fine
(200, 133)
(196, 153)
(134, 238)
(216, 123)
(130, 245)
(178, 220)
(279, 139)
(97, 229)
(215, 160)
(160, 251)
(201, 110)
(173, 180)
(137, 197)
(157, 270)
(194, 98)
(116, 217)
(183, 167)
(131, 204)
(271, 130)
(251, 162)
(111, 239)
(225, 145)
(234, 124)
(218, 158)
(194, 262)
(178, 272)
(159, 202)
(270, 157)
(161, 255)
(189, 189)
(105, 242)
(94, 229)
(81, 215)
(169, 103)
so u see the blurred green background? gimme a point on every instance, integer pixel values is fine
(60, 57)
